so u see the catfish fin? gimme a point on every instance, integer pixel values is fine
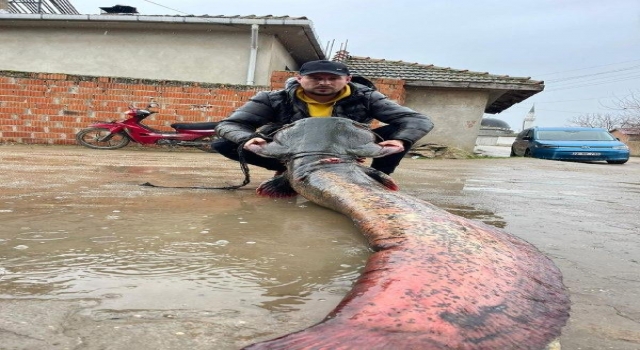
(277, 187)
(382, 178)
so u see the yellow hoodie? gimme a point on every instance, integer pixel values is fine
(321, 109)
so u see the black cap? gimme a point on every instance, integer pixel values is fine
(324, 66)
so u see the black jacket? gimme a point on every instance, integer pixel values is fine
(276, 108)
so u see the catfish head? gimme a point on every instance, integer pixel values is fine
(308, 144)
(339, 137)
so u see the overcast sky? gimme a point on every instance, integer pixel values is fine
(586, 51)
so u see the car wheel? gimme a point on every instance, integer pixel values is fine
(513, 153)
(527, 153)
(617, 161)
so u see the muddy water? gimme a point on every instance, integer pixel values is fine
(91, 260)
(77, 225)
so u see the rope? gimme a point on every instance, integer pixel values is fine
(243, 166)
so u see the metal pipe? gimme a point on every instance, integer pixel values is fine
(253, 56)
(330, 48)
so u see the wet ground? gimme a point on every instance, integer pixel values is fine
(91, 260)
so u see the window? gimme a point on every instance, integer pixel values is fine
(574, 135)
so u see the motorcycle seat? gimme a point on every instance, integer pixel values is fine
(194, 126)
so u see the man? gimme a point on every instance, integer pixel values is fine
(320, 89)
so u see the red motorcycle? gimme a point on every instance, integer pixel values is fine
(117, 134)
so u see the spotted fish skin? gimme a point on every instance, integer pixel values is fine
(435, 280)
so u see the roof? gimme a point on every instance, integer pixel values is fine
(296, 34)
(42, 6)
(494, 123)
(565, 128)
(510, 90)
(627, 131)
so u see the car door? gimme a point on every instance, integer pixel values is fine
(522, 142)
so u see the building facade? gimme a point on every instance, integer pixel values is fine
(631, 137)
(208, 49)
(90, 53)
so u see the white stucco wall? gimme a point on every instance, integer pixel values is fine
(456, 114)
(495, 140)
(190, 55)
(280, 59)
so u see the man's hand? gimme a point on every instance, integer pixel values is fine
(397, 145)
(257, 141)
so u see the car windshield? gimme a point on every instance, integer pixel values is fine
(575, 135)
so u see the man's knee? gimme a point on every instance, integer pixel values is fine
(386, 166)
(226, 148)
(231, 150)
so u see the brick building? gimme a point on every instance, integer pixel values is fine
(83, 68)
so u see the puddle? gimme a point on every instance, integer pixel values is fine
(227, 248)
(124, 266)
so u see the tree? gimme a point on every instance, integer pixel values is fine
(596, 120)
(628, 109)
(627, 115)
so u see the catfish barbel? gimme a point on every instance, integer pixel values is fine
(435, 280)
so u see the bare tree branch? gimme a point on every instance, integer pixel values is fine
(597, 120)
(627, 110)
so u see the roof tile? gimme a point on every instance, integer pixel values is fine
(381, 68)
(514, 89)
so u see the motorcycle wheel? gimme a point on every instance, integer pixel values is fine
(208, 140)
(91, 137)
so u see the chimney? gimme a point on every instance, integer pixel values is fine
(341, 55)
(119, 10)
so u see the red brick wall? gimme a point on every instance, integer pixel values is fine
(393, 88)
(42, 108)
(39, 108)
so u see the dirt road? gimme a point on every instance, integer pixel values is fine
(91, 260)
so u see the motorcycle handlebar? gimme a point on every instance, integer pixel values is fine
(143, 113)
(139, 113)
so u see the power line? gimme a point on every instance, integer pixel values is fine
(596, 83)
(574, 70)
(580, 99)
(172, 9)
(553, 110)
(599, 78)
(594, 74)
(590, 82)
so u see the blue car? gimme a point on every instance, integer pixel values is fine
(573, 144)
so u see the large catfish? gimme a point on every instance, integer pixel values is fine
(435, 280)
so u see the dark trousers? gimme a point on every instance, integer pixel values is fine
(384, 164)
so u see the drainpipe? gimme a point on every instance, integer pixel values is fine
(251, 72)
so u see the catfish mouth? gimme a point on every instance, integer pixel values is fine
(310, 162)
(321, 155)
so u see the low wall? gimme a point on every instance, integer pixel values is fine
(495, 140)
(634, 148)
(44, 108)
